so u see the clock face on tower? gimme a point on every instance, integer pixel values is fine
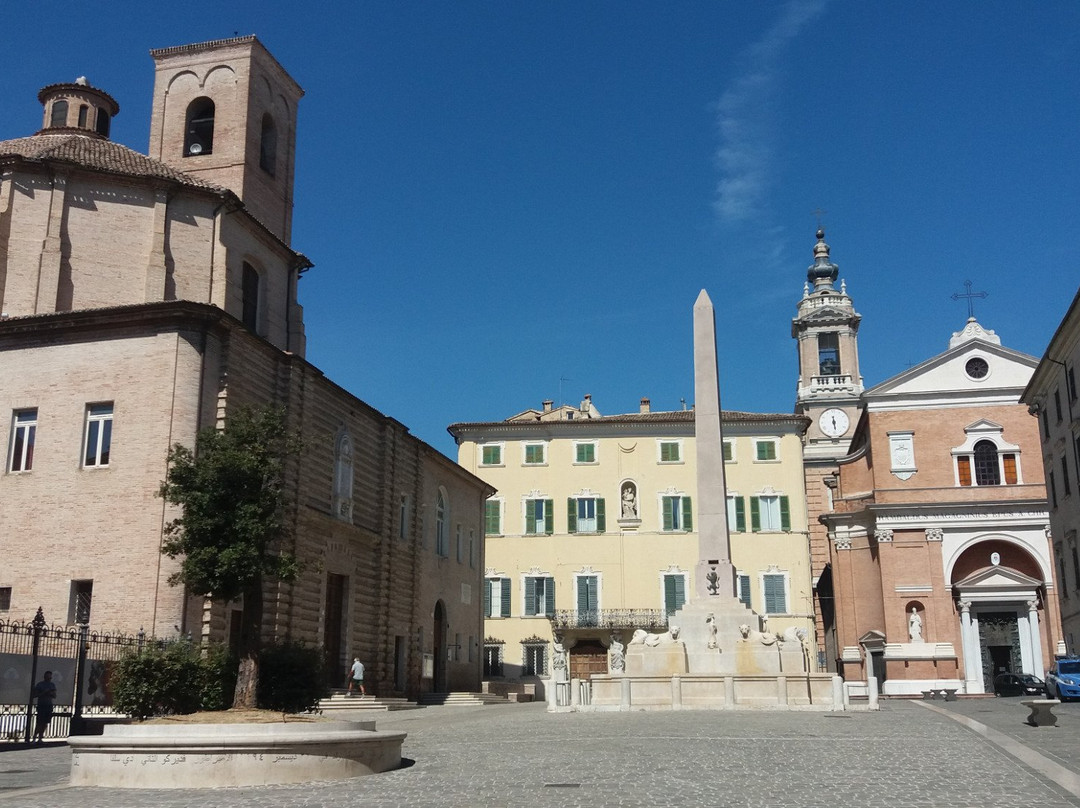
(834, 422)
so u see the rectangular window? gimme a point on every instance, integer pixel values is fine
(23, 432)
(539, 517)
(729, 451)
(588, 599)
(775, 595)
(5, 598)
(459, 545)
(765, 449)
(828, 353)
(472, 549)
(744, 589)
(585, 453)
(493, 517)
(539, 596)
(534, 454)
(1072, 384)
(736, 514)
(670, 451)
(1053, 489)
(585, 515)
(674, 593)
(493, 665)
(1009, 463)
(1044, 419)
(963, 470)
(82, 593)
(491, 455)
(1065, 476)
(534, 659)
(770, 512)
(99, 418)
(497, 597)
(1057, 405)
(677, 514)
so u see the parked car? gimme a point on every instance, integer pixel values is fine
(1018, 684)
(1063, 679)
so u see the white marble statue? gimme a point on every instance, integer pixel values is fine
(618, 659)
(915, 626)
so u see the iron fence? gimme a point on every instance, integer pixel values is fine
(81, 661)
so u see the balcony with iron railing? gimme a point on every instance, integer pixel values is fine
(609, 619)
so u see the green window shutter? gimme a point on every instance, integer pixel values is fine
(487, 598)
(505, 610)
(744, 590)
(687, 518)
(755, 514)
(740, 515)
(530, 516)
(601, 522)
(586, 595)
(774, 594)
(592, 593)
(530, 596)
(785, 514)
(571, 515)
(549, 516)
(549, 591)
(727, 451)
(668, 521)
(491, 518)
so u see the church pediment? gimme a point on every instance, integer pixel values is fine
(974, 368)
(996, 579)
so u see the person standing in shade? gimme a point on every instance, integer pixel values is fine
(45, 693)
(356, 677)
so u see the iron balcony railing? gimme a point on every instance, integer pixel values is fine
(609, 618)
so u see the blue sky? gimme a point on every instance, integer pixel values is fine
(513, 201)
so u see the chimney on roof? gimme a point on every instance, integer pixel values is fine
(547, 404)
(646, 406)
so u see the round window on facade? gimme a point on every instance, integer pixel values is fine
(977, 368)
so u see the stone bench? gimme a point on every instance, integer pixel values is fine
(1042, 712)
(946, 693)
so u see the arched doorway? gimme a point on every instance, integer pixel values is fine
(438, 681)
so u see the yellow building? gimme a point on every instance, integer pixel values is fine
(591, 534)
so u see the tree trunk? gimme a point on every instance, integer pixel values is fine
(247, 678)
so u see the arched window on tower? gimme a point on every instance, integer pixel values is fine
(829, 353)
(101, 124)
(268, 146)
(199, 135)
(59, 113)
(250, 287)
(986, 464)
(986, 458)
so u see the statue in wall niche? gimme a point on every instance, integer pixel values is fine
(642, 637)
(629, 501)
(710, 622)
(618, 659)
(915, 626)
(558, 659)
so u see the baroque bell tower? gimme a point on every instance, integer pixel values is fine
(826, 329)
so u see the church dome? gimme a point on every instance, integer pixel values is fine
(822, 273)
(77, 107)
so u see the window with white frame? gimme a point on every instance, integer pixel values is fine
(585, 452)
(770, 512)
(442, 539)
(586, 514)
(985, 458)
(587, 597)
(493, 517)
(539, 591)
(491, 454)
(766, 449)
(729, 451)
(736, 513)
(23, 433)
(496, 597)
(670, 451)
(743, 582)
(97, 440)
(534, 657)
(535, 454)
(539, 517)
(674, 592)
(676, 513)
(774, 592)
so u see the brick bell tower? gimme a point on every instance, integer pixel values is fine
(225, 112)
(826, 329)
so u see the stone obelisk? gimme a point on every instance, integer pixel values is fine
(714, 574)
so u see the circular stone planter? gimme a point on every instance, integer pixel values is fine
(216, 755)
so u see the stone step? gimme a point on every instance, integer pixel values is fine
(461, 699)
(342, 701)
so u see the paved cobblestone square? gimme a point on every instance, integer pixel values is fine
(904, 755)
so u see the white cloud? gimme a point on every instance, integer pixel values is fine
(744, 156)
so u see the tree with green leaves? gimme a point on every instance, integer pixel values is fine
(231, 489)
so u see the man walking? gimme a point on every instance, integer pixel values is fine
(45, 693)
(356, 677)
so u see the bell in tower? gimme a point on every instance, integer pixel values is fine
(225, 112)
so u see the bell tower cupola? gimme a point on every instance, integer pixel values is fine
(77, 108)
(225, 112)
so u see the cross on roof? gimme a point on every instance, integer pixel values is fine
(818, 212)
(970, 295)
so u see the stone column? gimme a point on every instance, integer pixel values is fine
(1036, 640)
(714, 574)
(970, 646)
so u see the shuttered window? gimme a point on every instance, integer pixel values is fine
(539, 517)
(539, 596)
(744, 590)
(770, 512)
(493, 517)
(775, 596)
(586, 515)
(677, 514)
(736, 514)
(674, 593)
(497, 597)
(670, 452)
